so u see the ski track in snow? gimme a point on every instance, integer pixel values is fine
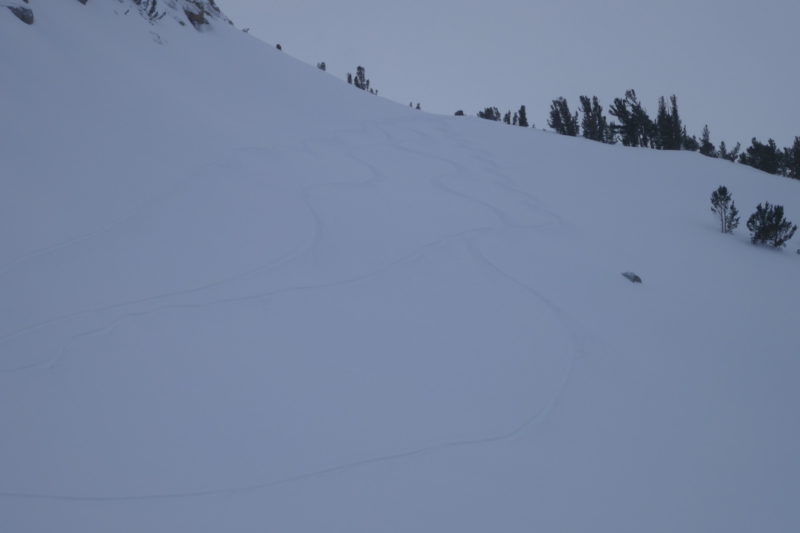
(255, 288)
(182, 292)
(305, 194)
(467, 237)
(145, 206)
(496, 175)
(415, 254)
(572, 328)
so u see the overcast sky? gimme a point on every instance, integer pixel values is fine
(733, 64)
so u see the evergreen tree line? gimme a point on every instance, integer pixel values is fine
(632, 126)
(520, 117)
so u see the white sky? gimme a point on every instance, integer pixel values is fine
(734, 65)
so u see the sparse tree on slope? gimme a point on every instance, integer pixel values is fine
(725, 154)
(706, 147)
(561, 119)
(668, 128)
(689, 142)
(490, 113)
(723, 205)
(762, 156)
(523, 117)
(594, 123)
(360, 79)
(678, 130)
(791, 159)
(635, 127)
(768, 226)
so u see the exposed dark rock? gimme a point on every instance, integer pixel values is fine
(25, 14)
(632, 277)
(149, 9)
(200, 13)
(197, 19)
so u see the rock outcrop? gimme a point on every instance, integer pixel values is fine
(200, 14)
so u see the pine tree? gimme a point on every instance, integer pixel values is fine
(791, 159)
(768, 225)
(730, 156)
(706, 147)
(594, 124)
(689, 143)
(764, 157)
(360, 79)
(523, 117)
(349, 78)
(646, 127)
(626, 129)
(555, 121)
(635, 127)
(678, 131)
(663, 125)
(561, 119)
(490, 113)
(507, 117)
(723, 205)
(669, 132)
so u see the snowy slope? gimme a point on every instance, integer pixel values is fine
(240, 295)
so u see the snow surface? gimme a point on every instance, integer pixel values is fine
(241, 295)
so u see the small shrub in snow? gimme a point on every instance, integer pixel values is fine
(723, 205)
(768, 226)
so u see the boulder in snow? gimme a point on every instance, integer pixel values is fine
(22, 12)
(634, 278)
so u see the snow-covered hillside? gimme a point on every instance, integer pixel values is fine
(241, 295)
